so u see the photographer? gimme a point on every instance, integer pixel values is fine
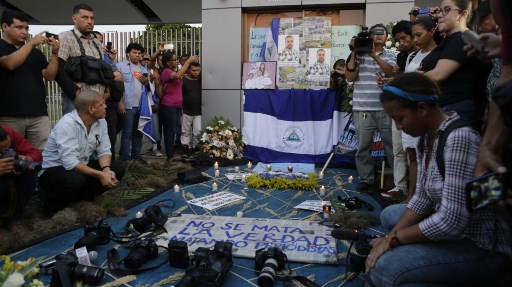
(13, 200)
(368, 114)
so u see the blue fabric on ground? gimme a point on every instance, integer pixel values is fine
(260, 203)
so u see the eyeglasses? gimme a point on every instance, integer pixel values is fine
(444, 11)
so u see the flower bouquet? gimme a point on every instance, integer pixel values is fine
(14, 274)
(221, 140)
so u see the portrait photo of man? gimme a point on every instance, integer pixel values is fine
(290, 52)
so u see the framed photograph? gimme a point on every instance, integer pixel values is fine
(259, 75)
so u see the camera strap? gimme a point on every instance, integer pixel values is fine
(113, 260)
(82, 49)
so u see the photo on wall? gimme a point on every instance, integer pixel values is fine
(288, 49)
(259, 75)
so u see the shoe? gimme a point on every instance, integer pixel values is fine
(157, 153)
(363, 187)
(392, 192)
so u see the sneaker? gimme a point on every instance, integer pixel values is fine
(363, 187)
(392, 192)
(157, 153)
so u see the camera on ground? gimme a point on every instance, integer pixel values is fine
(268, 263)
(95, 233)
(66, 271)
(141, 251)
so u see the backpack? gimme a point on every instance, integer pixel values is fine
(443, 136)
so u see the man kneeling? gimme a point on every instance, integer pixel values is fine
(77, 159)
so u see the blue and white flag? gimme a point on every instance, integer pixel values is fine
(291, 126)
(269, 47)
(145, 113)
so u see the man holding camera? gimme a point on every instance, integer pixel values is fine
(16, 184)
(22, 69)
(369, 57)
(77, 159)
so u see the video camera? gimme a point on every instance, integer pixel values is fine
(65, 269)
(354, 203)
(21, 165)
(141, 251)
(209, 267)
(363, 42)
(268, 263)
(95, 233)
(153, 215)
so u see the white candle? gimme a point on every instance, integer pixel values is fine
(138, 214)
(249, 165)
(237, 169)
(290, 168)
(322, 190)
(214, 186)
(239, 214)
(217, 173)
(350, 179)
(269, 167)
(327, 210)
(216, 165)
(321, 175)
(244, 178)
(176, 188)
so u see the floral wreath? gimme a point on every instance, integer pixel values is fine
(221, 140)
(14, 274)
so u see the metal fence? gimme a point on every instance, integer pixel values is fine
(185, 41)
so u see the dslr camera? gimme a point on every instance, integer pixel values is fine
(268, 263)
(66, 270)
(140, 252)
(209, 267)
(21, 165)
(354, 203)
(153, 215)
(95, 233)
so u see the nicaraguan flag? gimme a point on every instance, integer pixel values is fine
(291, 126)
(145, 113)
(269, 47)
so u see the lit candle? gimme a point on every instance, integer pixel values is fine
(214, 186)
(350, 179)
(321, 175)
(138, 214)
(249, 165)
(217, 173)
(322, 190)
(244, 178)
(290, 168)
(237, 169)
(269, 167)
(216, 165)
(327, 210)
(176, 188)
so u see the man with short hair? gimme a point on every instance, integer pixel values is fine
(16, 187)
(289, 54)
(83, 18)
(192, 101)
(319, 68)
(77, 160)
(22, 69)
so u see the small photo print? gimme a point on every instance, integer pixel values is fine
(259, 75)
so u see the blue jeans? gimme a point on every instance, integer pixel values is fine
(131, 134)
(447, 263)
(68, 104)
(465, 110)
(170, 117)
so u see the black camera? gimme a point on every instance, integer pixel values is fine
(109, 46)
(268, 263)
(65, 269)
(153, 215)
(50, 35)
(363, 42)
(141, 251)
(95, 233)
(209, 267)
(354, 203)
(178, 254)
(21, 165)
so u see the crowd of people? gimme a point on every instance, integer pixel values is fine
(442, 105)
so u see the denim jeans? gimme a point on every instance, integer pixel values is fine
(68, 104)
(465, 110)
(170, 117)
(456, 262)
(131, 134)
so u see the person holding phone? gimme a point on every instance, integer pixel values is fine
(437, 241)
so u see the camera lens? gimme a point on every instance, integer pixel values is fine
(268, 273)
(136, 258)
(87, 274)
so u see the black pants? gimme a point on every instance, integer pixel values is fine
(61, 187)
(15, 192)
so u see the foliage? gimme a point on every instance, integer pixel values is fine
(391, 43)
(221, 140)
(301, 183)
(14, 274)
(346, 97)
(177, 34)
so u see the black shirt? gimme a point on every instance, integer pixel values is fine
(22, 92)
(462, 84)
(191, 97)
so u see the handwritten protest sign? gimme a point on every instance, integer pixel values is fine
(216, 200)
(300, 240)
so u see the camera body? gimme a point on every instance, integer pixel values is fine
(141, 251)
(363, 42)
(268, 263)
(21, 165)
(209, 267)
(95, 233)
(354, 203)
(152, 215)
(49, 35)
(65, 269)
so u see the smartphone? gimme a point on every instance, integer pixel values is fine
(484, 190)
(168, 46)
(49, 35)
(471, 37)
(145, 75)
(109, 46)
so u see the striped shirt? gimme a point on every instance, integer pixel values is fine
(443, 204)
(366, 91)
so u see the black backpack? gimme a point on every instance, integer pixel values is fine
(443, 136)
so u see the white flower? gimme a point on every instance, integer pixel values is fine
(228, 132)
(397, 44)
(208, 128)
(14, 280)
(393, 49)
(230, 154)
(216, 153)
(388, 43)
(204, 138)
(389, 37)
(231, 143)
(350, 103)
(221, 122)
(36, 283)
